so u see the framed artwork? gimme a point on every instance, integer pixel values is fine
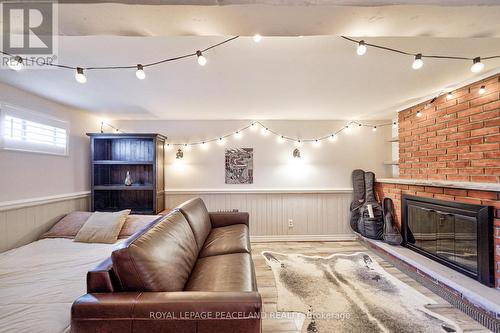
(239, 166)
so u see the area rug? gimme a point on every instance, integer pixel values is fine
(351, 293)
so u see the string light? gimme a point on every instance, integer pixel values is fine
(418, 62)
(253, 127)
(361, 49)
(477, 65)
(374, 128)
(186, 147)
(264, 131)
(202, 61)
(281, 139)
(316, 143)
(204, 145)
(419, 114)
(395, 125)
(221, 141)
(298, 143)
(139, 73)
(257, 38)
(238, 135)
(80, 76)
(332, 138)
(482, 90)
(16, 63)
(449, 95)
(168, 147)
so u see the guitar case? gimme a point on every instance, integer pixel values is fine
(358, 199)
(391, 233)
(371, 226)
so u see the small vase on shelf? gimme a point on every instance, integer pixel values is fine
(128, 179)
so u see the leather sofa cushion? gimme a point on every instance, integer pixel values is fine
(159, 259)
(197, 215)
(225, 240)
(228, 272)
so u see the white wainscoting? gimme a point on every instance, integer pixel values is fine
(318, 215)
(23, 221)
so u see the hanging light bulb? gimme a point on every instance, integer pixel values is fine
(204, 145)
(16, 63)
(298, 143)
(264, 131)
(139, 73)
(449, 95)
(418, 62)
(374, 128)
(221, 141)
(238, 135)
(296, 153)
(419, 114)
(395, 125)
(80, 76)
(168, 147)
(361, 48)
(281, 139)
(253, 126)
(347, 128)
(257, 38)
(180, 154)
(477, 65)
(332, 138)
(316, 143)
(202, 61)
(482, 90)
(186, 147)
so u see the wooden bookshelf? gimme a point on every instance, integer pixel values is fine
(112, 155)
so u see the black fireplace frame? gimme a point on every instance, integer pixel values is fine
(484, 215)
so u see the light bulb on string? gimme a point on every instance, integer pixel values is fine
(16, 63)
(374, 128)
(316, 143)
(253, 126)
(238, 135)
(139, 73)
(168, 147)
(477, 65)
(80, 76)
(394, 125)
(202, 61)
(449, 95)
(186, 147)
(281, 139)
(298, 143)
(221, 141)
(419, 114)
(204, 145)
(264, 131)
(257, 38)
(332, 138)
(418, 62)
(361, 49)
(482, 90)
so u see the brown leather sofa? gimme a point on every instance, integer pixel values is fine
(190, 271)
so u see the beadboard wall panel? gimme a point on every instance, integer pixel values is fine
(24, 224)
(313, 214)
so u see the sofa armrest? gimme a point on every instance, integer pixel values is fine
(223, 219)
(139, 311)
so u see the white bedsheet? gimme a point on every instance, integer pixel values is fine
(40, 281)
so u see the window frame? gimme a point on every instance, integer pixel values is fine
(38, 118)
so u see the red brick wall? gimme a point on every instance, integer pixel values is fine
(456, 139)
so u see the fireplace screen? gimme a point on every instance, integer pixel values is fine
(457, 235)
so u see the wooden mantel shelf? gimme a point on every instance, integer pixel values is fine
(495, 187)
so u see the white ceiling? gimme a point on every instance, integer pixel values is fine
(318, 76)
(279, 78)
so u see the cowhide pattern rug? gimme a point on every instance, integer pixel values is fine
(351, 293)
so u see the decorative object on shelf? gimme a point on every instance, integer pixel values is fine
(115, 158)
(296, 153)
(239, 166)
(128, 179)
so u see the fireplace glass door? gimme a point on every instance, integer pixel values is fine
(446, 235)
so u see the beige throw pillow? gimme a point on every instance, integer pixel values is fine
(102, 227)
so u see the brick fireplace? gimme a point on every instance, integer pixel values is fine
(452, 152)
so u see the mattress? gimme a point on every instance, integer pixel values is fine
(40, 281)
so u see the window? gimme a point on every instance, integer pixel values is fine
(34, 132)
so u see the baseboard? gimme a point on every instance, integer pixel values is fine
(303, 238)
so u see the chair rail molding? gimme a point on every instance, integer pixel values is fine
(22, 203)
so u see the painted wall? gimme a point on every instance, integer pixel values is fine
(26, 175)
(328, 166)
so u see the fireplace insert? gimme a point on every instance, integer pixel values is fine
(455, 234)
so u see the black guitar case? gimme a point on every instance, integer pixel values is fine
(371, 227)
(391, 233)
(358, 199)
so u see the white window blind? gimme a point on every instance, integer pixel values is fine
(33, 132)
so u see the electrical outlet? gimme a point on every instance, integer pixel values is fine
(290, 223)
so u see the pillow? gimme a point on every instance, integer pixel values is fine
(102, 227)
(134, 223)
(68, 226)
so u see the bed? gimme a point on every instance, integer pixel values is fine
(40, 281)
